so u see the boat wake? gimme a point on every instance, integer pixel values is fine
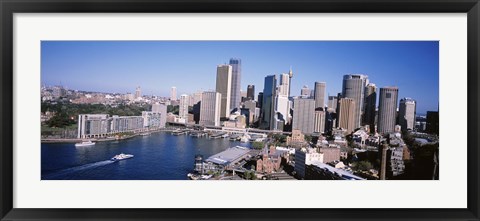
(65, 172)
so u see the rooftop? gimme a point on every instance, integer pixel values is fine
(229, 155)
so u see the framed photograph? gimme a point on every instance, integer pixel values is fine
(239, 110)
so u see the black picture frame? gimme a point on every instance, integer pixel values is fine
(9, 7)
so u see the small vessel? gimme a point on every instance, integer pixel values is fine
(121, 156)
(85, 143)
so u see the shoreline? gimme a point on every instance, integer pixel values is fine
(78, 140)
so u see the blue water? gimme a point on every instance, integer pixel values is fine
(160, 156)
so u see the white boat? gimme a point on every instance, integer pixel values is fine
(85, 143)
(121, 156)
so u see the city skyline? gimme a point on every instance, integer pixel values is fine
(401, 64)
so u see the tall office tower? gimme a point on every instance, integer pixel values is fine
(183, 108)
(210, 108)
(138, 92)
(319, 124)
(332, 102)
(303, 115)
(319, 94)
(235, 96)
(407, 112)
(354, 87)
(260, 100)
(224, 87)
(387, 109)
(251, 92)
(305, 92)
(173, 94)
(370, 105)
(268, 106)
(284, 86)
(346, 114)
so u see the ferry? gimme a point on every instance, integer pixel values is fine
(85, 144)
(121, 156)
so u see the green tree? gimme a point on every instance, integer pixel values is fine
(362, 165)
(257, 145)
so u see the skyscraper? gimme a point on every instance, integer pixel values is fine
(387, 109)
(370, 106)
(138, 92)
(305, 92)
(353, 87)
(183, 108)
(251, 92)
(407, 111)
(346, 114)
(224, 86)
(235, 96)
(320, 94)
(319, 124)
(210, 108)
(173, 94)
(284, 86)
(303, 115)
(162, 109)
(268, 106)
(332, 102)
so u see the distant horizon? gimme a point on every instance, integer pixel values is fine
(156, 66)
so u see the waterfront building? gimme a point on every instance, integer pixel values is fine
(387, 109)
(138, 93)
(268, 106)
(332, 103)
(210, 108)
(306, 156)
(101, 125)
(353, 87)
(183, 107)
(224, 87)
(319, 121)
(407, 112)
(346, 114)
(173, 94)
(370, 105)
(305, 92)
(228, 157)
(152, 119)
(303, 115)
(235, 96)
(93, 124)
(251, 92)
(162, 109)
(319, 94)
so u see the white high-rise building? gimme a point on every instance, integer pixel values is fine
(224, 87)
(282, 107)
(406, 113)
(138, 92)
(210, 108)
(303, 115)
(162, 109)
(173, 94)
(183, 108)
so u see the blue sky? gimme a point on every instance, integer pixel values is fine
(156, 66)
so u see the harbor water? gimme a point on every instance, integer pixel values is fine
(159, 156)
